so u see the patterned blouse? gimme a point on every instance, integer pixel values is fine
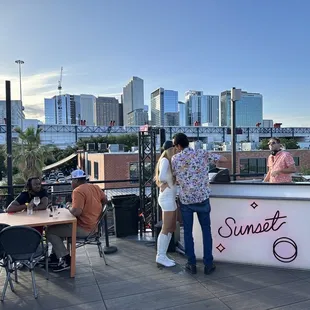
(191, 168)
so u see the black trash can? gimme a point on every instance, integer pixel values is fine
(126, 216)
(172, 243)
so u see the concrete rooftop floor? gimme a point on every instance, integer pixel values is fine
(133, 281)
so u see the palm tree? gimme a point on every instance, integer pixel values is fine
(29, 156)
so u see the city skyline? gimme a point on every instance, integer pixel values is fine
(270, 57)
(198, 109)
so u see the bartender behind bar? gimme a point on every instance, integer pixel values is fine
(280, 164)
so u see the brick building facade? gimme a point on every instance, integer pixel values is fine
(124, 166)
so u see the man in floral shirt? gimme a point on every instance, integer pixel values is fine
(191, 168)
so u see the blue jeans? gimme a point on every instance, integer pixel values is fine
(203, 210)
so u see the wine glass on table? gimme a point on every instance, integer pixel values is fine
(36, 201)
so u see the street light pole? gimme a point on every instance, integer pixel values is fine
(20, 63)
(235, 96)
(9, 140)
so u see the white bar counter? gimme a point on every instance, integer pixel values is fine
(259, 223)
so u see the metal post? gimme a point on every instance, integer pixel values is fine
(9, 140)
(20, 62)
(76, 133)
(106, 231)
(86, 163)
(108, 249)
(142, 142)
(233, 139)
(147, 156)
(235, 95)
(162, 136)
(154, 215)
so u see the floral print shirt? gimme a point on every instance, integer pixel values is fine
(191, 168)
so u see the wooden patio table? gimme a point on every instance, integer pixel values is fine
(42, 218)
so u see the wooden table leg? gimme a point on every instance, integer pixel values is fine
(73, 250)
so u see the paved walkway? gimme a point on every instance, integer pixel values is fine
(132, 281)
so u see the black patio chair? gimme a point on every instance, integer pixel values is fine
(94, 236)
(16, 265)
(25, 245)
(3, 258)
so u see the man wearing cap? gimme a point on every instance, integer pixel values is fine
(87, 200)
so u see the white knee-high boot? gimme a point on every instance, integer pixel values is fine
(169, 239)
(162, 246)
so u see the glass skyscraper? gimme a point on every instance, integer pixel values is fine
(17, 112)
(249, 110)
(194, 104)
(164, 107)
(65, 114)
(201, 108)
(213, 110)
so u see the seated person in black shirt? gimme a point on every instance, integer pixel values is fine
(32, 189)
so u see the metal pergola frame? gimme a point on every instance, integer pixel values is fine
(147, 156)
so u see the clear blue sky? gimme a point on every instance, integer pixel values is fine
(210, 45)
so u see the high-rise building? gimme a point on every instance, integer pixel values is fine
(171, 119)
(249, 109)
(87, 109)
(65, 113)
(133, 97)
(201, 109)
(164, 107)
(50, 107)
(107, 110)
(17, 112)
(213, 110)
(157, 117)
(138, 117)
(195, 107)
(182, 113)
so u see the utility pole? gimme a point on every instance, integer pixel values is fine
(9, 141)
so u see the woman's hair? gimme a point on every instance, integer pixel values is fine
(168, 155)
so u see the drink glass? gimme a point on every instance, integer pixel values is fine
(29, 209)
(36, 201)
(55, 211)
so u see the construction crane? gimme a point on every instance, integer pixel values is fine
(59, 102)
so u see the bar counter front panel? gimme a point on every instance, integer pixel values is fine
(259, 223)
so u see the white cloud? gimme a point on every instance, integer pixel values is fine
(39, 86)
(35, 88)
